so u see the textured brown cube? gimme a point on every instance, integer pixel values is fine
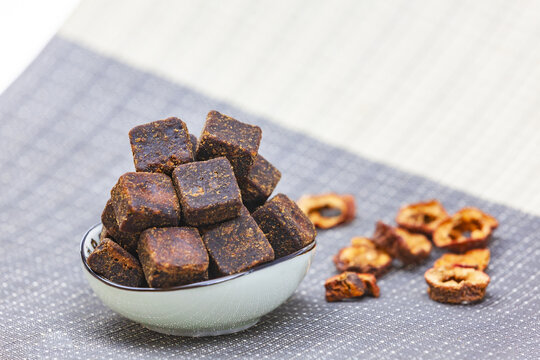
(173, 256)
(224, 136)
(207, 191)
(286, 227)
(142, 200)
(193, 141)
(236, 245)
(110, 229)
(257, 187)
(104, 234)
(161, 145)
(113, 262)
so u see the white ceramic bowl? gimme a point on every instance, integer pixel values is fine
(213, 307)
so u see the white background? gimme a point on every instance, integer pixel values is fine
(25, 28)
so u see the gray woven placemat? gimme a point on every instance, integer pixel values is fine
(63, 139)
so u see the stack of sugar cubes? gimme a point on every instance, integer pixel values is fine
(195, 210)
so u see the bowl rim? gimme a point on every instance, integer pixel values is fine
(306, 249)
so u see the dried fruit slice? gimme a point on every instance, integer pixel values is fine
(407, 247)
(363, 257)
(347, 285)
(328, 210)
(370, 282)
(475, 259)
(456, 285)
(469, 228)
(422, 217)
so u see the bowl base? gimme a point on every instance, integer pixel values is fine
(204, 332)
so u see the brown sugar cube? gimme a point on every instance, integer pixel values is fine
(142, 200)
(114, 263)
(207, 191)
(172, 256)
(257, 187)
(161, 145)
(110, 230)
(224, 136)
(237, 245)
(285, 226)
(104, 234)
(193, 141)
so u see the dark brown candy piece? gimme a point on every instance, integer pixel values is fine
(113, 262)
(173, 256)
(236, 245)
(207, 191)
(142, 200)
(286, 227)
(161, 145)
(257, 187)
(193, 141)
(104, 234)
(224, 136)
(110, 230)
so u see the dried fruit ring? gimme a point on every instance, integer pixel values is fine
(422, 217)
(316, 207)
(349, 285)
(475, 259)
(469, 228)
(407, 247)
(363, 257)
(456, 285)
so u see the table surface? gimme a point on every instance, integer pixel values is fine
(63, 127)
(391, 102)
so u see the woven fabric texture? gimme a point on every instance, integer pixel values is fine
(63, 139)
